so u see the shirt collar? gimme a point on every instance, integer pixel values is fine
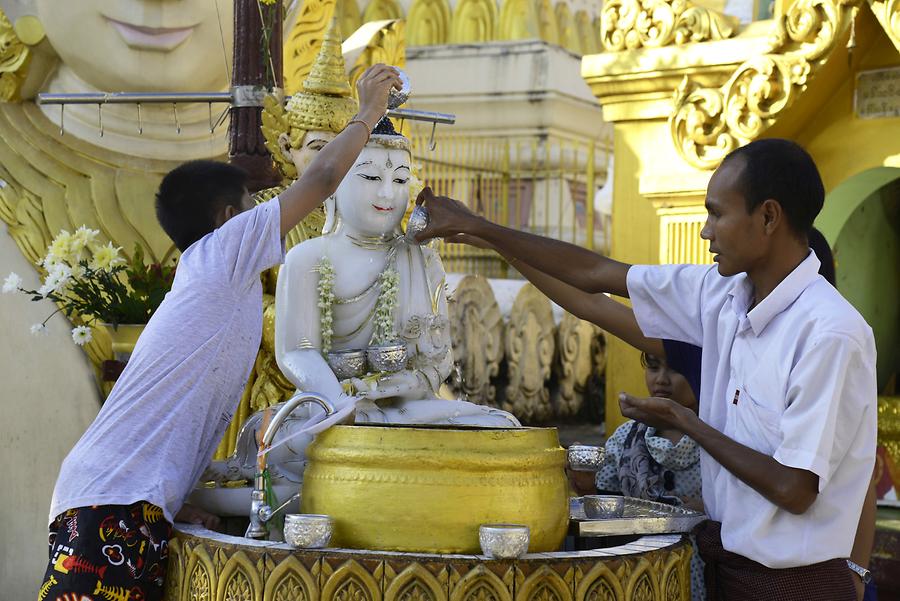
(784, 294)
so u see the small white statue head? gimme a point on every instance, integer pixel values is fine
(373, 197)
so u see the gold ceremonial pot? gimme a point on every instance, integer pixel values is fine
(427, 489)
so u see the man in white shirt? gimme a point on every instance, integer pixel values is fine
(787, 418)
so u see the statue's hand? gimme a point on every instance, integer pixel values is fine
(402, 383)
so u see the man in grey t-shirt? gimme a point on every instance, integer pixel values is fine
(125, 481)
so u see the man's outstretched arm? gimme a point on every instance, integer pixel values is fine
(576, 266)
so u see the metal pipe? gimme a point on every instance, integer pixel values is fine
(207, 97)
(260, 511)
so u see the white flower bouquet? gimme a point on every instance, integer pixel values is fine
(94, 283)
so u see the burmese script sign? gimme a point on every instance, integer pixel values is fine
(878, 93)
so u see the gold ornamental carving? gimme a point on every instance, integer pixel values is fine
(414, 583)
(350, 582)
(578, 361)
(630, 24)
(530, 346)
(302, 43)
(239, 572)
(481, 584)
(14, 59)
(708, 123)
(888, 14)
(290, 581)
(239, 580)
(476, 329)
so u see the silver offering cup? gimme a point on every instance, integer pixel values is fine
(308, 531)
(347, 364)
(387, 357)
(599, 507)
(585, 458)
(504, 541)
(396, 97)
(418, 221)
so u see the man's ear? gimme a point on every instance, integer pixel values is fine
(772, 214)
(224, 214)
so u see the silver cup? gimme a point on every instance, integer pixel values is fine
(308, 531)
(347, 364)
(599, 507)
(504, 541)
(418, 221)
(387, 357)
(396, 97)
(585, 458)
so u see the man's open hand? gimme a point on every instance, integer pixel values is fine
(653, 411)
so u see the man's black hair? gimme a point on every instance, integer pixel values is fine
(820, 246)
(781, 170)
(191, 195)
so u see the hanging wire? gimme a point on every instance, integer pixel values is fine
(268, 46)
(222, 38)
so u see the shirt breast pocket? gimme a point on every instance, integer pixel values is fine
(756, 425)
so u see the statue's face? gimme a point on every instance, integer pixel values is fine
(310, 146)
(142, 45)
(373, 196)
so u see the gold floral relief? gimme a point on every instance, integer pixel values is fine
(708, 123)
(630, 24)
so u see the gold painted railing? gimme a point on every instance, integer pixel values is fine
(544, 184)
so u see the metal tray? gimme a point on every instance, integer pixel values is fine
(640, 517)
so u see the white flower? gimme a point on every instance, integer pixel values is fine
(80, 240)
(106, 257)
(39, 329)
(81, 335)
(56, 280)
(60, 249)
(12, 283)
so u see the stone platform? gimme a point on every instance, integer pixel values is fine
(204, 565)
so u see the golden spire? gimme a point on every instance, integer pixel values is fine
(328, 74)
(325, 102)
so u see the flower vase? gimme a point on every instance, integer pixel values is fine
(123, 337)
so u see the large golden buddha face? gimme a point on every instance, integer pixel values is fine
(142, 45)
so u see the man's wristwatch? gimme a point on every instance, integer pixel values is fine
(864, 574)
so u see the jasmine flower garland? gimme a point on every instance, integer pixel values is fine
(326, 301)
(384, 332)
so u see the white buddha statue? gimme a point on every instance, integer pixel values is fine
(363, 284)
(334, 293)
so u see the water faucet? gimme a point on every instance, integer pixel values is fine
(260, 511)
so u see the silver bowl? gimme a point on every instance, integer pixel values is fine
(387, 357)
(585, 458)
(307, 530)
(347, 364)
(598, 507)
(504, 541)
(396, 98)
(418, 221)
